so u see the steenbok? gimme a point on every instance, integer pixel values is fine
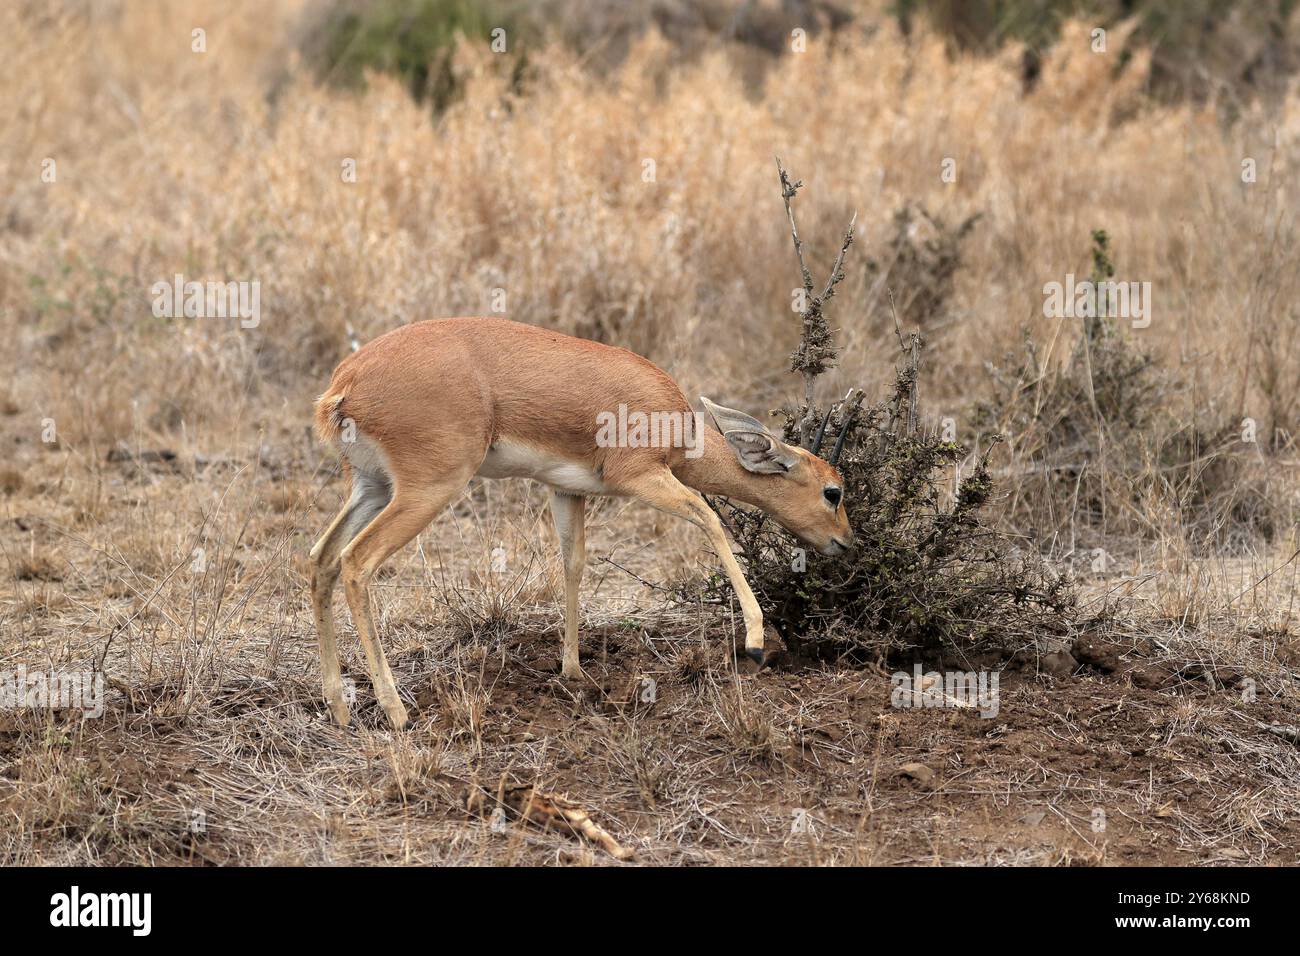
(421, 410)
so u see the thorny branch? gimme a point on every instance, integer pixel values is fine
(816, 351)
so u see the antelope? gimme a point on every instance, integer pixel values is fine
(422, 409)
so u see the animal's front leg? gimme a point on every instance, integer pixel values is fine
(662, 490)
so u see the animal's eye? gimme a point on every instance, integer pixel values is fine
(833, 496)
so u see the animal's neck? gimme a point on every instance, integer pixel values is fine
(717, 472)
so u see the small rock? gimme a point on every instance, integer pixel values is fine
(124, 452)
(1091, 650)
(1216, 677)
(1060, 663)
(1148, 676)
(918, 772)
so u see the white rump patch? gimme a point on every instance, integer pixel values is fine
(366, 458)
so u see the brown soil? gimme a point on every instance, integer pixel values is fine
(215, 746)
(791, 765)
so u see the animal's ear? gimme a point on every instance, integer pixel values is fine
(756, 448)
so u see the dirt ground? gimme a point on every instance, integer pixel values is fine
(215, 747)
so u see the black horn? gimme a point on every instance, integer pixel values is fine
(839, 442)
(816, 446)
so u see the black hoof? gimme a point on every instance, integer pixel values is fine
(755, 654)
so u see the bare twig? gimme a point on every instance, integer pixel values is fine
(816, 351)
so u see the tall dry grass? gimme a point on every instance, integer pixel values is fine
(639, 207)
(227, 165)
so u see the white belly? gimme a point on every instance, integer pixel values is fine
(508, 459)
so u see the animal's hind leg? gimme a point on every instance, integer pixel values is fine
(400, 521)
(367, 500)
(567, 511)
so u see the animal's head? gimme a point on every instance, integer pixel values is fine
(801, 491)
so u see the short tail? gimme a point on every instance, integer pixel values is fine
(329, 414)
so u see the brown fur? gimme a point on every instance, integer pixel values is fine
(436, 396)
(487, 379)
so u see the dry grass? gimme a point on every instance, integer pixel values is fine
(171, 161)
(184, 576)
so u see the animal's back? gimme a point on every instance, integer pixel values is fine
(458, 386)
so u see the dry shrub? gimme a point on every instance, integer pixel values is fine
(920, 262)
(927, 575)
(746, 727)
(11, 481)
(1201, 48)
(414, 40)
(1102, 447)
